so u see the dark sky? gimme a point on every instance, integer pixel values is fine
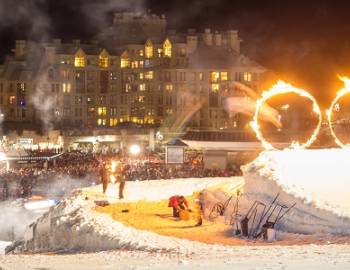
(304, 42)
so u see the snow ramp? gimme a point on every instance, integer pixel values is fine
(318, 181)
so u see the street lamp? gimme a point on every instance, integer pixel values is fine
(135, 149)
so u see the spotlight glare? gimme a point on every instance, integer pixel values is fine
(135, 149)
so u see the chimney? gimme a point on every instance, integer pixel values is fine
(76, 42)
(57, 41)
(20, 49)
(171, 32)
(94, 42)
(233, 40)
(191, 31)
(208, 37)
(192, 43)
(217, 39)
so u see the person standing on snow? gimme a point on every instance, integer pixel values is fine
(104, 176)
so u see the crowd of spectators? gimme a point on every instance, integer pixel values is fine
(58, 176)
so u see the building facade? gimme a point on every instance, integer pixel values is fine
(136, 71)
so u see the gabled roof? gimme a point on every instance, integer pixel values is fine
(88, 49)
(176, 142)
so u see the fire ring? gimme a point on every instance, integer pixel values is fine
(340, 94)
(283, 88)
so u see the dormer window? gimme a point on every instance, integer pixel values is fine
(167, 47)
(149, 49)
(124, 61)
(104, 60)
(79, 60)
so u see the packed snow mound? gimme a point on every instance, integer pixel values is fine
(317, 180)
(73, 225)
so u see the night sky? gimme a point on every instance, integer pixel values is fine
(304, 42)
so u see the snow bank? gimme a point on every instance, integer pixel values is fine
(3, 245)
(317, 180)
(72, 225)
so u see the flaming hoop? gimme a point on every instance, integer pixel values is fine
(283, 88)
(340, 94)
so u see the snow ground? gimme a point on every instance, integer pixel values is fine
(77, 228)
(325, 257)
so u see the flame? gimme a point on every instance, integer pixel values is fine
(342, 92)
(282, 88)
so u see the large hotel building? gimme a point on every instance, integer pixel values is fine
(136, 71)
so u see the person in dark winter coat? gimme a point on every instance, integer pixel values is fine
(104, 177)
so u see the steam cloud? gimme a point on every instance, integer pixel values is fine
(15, 218)
(43, 102)
(247, 105)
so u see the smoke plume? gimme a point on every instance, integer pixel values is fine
(98, 12)
(14, 218)
(30, 16)
(43, 102)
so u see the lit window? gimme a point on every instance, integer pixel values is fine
(66, 87)
(142, 87)
(141, 64)
(141, 75)
(134, 64)
(113, 122)
(140, 52)
(214, 87)
(149, 49)
(65, 74)
(201, 76)
(141, 99)
(149, 75)
(169, 111)
(214, 76)
(101, 122)
(12, 100)
(91, 111)
(113, 75)
(160, 52)
(124, 62)
(89, 100)
(79, 61)
(169, 87)
(224, 76)
(127, 87)
(167, 48)
(103, 60)
(78, 99)
(102, 111)
(247, 76)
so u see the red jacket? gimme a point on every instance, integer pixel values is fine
(175, 201)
